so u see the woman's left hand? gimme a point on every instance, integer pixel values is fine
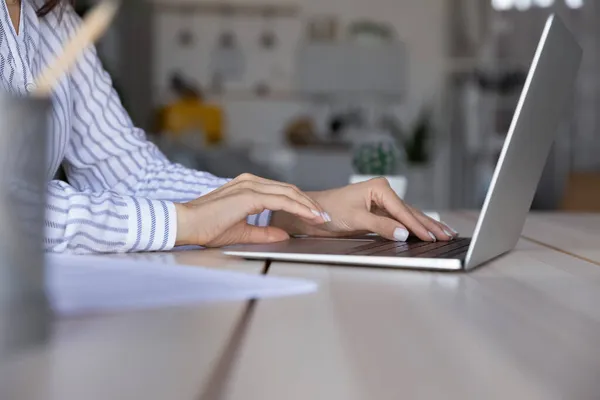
(370, 206)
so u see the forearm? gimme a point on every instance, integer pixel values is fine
(169, 181)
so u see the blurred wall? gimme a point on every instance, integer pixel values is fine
(135, 26)
(421, 24)
(126, 53)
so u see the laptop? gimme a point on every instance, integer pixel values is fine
(545, 98)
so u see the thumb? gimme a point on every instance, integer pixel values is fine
(387, 228)
(260, 235)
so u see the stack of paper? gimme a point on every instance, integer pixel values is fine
(84, 284)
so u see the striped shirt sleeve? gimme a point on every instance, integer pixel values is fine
(122, 189)
(87, 222)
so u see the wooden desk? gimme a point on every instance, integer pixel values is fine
(578, 234)
(525, 326)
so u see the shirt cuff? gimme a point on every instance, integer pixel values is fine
(262, 219)
(152, 225)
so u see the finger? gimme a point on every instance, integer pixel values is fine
(249, 181)
(387, 199)
(290, 191)
(286, 191)
(257, 235)
(454, 232)
(386, 227)
(448, 231)
(440, 232)
(256, 202)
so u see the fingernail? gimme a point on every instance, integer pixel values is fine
(326, 217)
(449, 227)
(432, 236)
(318, 214)
(448, 233)
(401, 235)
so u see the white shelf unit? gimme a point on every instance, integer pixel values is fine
(373, 76)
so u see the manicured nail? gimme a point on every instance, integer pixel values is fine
(326, 217)
(449, 227)
(318, 214)
(401, 235)
(432, 236)
(448, 233)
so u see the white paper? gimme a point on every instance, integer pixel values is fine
(91, 284)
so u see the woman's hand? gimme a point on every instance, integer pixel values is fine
(219, 218)
(365, 207)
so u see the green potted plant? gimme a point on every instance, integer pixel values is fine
(378, 155)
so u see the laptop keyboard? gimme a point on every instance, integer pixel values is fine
(414, 248)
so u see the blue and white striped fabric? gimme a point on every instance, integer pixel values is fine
(121, 191)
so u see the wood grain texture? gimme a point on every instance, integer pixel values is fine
(525, 326)
(576, 233)
(171, 353)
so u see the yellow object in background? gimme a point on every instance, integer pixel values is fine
(191, 114)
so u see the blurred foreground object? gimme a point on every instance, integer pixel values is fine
(93, 27)
(189, 113)
(24, 312)
(583, 192)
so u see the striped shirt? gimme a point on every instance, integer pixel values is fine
(121, 189)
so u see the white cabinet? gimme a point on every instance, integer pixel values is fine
(350, 68)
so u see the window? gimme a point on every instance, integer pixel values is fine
(524, 5)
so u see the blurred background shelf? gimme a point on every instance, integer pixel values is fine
(272, 10)
(439, 49)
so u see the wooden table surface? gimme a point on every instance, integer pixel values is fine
(577, 234)
(525, 326)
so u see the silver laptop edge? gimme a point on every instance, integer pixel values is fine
(443, 264)
(541, 107)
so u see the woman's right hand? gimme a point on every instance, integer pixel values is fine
(219, 218)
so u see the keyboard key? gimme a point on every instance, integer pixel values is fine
(441, 251)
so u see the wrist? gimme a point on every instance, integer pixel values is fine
(294, 225)
(184, 234)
